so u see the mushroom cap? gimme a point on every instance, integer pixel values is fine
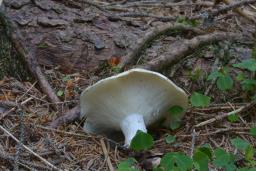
(137, 91)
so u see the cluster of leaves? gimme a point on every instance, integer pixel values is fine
(202, 158)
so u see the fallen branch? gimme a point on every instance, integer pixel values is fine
(28, 149)
(220, 117)
(30, 59)
(183, 48)
(147, 40)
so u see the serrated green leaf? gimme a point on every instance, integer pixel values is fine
(249, 64)
(248, 84)
(170, 139)
(201, 160)
(214, 75)
(66, 78)
(240, 143)
(240, 76)
(199, 100)
(60, 93)
(225, 83)
(224, 160)
(249, 153)
(141, 141)
(206, 150)
(233, 118)
(247, 169)
(175, 124)
(176, 161)
(253, 131)
(127, 165)
(176, 110)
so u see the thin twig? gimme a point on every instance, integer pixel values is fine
(220, 117)
(14, 108)
(105, 151)
(28, 149)
(193, 142)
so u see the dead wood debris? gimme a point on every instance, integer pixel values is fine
(70, 148)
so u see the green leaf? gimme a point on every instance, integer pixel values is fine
(176, 110)
(233, 118)
(199, 100)
(127, 165)
(248, 84)
(249, 153)
(176, 113)
(170, 139)
(253, 131)
(225, 83)
(141, 141)
(249, 64)
(247, 169)
(60, 93)
(66, 78)
(240, 76)
(206, 150)
(176, 161)
(175, 124)
(201, 160)
(240, 143)
(224, 160)
(214, 75)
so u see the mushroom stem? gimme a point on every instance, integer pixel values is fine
(130, 125)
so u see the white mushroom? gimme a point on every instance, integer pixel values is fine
(129, 101)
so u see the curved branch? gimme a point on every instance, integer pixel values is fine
(183, 48)
(147, 40)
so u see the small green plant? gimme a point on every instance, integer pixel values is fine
(199, 100)
(127, 165)
(176, 161)
(186, 21)
(196, 74)
(233, 118)
(224, 80)
(169, 139)
(224, 160)
(249, 64)
(175, 113)
(248, 84)
(60, 93)
(253, 131)
(141, 141)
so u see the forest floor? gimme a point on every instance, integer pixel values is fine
(26, 112)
